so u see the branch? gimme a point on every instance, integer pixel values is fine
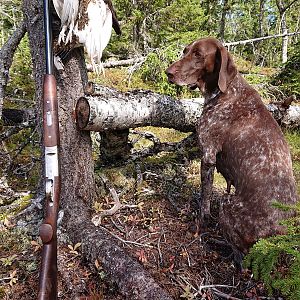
(120, 63)
(229, 44)
(288, 5)
(6, 57)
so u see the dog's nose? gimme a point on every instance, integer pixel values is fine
(170, 75)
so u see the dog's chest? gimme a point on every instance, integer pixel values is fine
(215, 120)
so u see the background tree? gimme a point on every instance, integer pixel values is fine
(282, 8)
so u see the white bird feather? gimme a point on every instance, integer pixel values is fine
(96, 32)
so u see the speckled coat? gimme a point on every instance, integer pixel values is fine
(239, 137)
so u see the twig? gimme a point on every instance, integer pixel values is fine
(158, 248)
(126, 241)
(5, 278)
(223, 295)
(117, 204)
(117, 226)
(210, 286)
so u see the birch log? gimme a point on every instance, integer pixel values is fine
(110, 109)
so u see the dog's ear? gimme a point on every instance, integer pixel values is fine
(227, 69)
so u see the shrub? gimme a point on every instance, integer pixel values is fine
(276, 260)
(153, 71)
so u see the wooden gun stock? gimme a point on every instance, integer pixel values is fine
(48, 271)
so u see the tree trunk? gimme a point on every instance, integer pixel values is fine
(77, 170)
(282, 8)
(118, 111)
(285, 39)
(225, 9)
(261, 17)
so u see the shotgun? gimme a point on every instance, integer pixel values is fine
(48, 269)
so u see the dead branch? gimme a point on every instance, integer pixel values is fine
(6, 57)
(119, 63)
(132, 279)
(229, 44)
(117, 204)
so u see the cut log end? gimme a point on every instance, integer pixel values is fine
(82, 112)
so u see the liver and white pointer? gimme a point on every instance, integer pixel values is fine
(239, 137)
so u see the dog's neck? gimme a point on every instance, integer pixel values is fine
(211, 96)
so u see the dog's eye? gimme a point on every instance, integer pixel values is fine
(197, 54)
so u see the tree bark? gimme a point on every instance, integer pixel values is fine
(77, 171)
(284, 30)
(261, 17)
(113, 110)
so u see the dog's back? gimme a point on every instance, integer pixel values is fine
(255, 158)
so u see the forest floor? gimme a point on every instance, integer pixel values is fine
(158, 225)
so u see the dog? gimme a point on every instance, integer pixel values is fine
(239, 137)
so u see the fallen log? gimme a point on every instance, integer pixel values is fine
(109, 109)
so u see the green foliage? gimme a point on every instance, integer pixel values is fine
(276, 260)
(153, 71)
(148, 25)
(10, 16)
(289, 77)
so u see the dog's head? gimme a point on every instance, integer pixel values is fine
(205, 64)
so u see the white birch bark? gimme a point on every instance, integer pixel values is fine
(110, 109)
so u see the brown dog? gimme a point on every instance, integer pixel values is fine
(239, 137)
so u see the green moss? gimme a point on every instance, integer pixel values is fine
(21, 83)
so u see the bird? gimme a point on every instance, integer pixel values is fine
(88, 23)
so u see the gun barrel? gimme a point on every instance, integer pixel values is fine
(48, 38)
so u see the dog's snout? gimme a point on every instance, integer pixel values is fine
(170, 75)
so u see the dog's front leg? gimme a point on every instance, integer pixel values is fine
(208, 164)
